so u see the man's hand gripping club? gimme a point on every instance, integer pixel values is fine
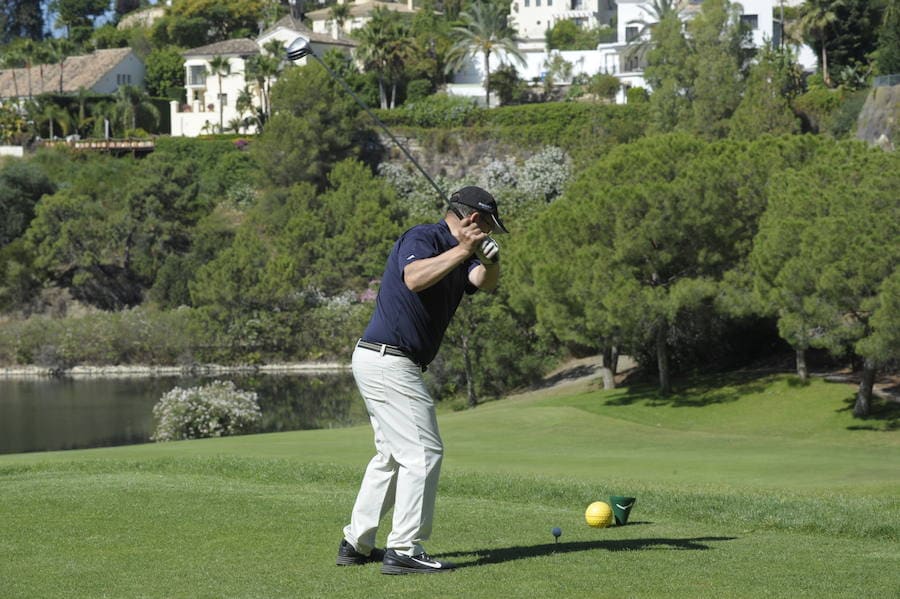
(488, 251)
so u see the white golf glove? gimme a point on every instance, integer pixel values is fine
(488, 252)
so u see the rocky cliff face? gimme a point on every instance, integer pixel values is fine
(879, 121)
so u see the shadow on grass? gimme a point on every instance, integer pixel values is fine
(708, 391)
(571, 374)
(884, 415)
(508, 554)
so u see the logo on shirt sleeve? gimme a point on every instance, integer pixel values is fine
(410, 257)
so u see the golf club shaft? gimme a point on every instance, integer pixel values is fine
(362, 104)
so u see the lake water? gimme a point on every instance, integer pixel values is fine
(51, 413)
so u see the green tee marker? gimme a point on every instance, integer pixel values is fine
(621, 508)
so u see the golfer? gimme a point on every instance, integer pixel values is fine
(428, 270)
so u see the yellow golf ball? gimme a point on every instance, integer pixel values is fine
(598, 515)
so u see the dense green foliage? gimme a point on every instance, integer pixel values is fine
(135, 336)
(888, 59)
(567, 35)
(21, 185)
(644, 244)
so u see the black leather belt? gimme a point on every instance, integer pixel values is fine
(391, 350)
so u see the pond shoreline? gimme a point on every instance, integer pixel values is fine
(144, 371)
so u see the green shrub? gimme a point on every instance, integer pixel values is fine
(844, 119)
(443, 111)
(568, 125)
(137, 336)
(418, 89)
(584, 127)
(818, 107)
(439, 110)
(218, 409)
(636, 95)
(605, 86)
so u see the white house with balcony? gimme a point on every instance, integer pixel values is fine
(532, 18)
(287, 29)
(212, 99)
(211, 104)
(360, 13)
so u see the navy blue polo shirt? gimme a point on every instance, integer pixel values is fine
(416, 321)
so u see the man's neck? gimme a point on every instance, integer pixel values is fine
(453, 223)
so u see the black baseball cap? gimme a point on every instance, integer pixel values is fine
(482, 201)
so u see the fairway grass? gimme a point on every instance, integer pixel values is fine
(744, 489)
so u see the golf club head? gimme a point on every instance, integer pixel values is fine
(298, 48)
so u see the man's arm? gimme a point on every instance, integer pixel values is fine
(422, 274)
(485, 276)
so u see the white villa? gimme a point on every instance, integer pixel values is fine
(532, 18)
(360, 14)
(212, 100)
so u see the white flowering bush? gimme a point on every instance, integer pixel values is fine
(418, 198)
(546, 173)
(214, 410)
(499, 173)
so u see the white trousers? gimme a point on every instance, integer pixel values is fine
(407, 464)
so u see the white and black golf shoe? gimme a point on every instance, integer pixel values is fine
(395, 563)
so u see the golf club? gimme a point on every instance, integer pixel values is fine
(300, 47)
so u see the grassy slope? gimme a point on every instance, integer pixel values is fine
(745, 489)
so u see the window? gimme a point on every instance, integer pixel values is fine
(630, 33)
(633, 64)
(123, 79)
(577, 5)
(223, 99)
(537, 2)
(197, 75)
(750, 21)
(527, 3)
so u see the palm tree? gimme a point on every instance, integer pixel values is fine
(339, 14)
(103, 113)
(220, 66)
(52, 114)
(384, 48)
(42, 55)
(269, 67)
(82, 120)
(58, 50)
(655, 11)
(12, 59)
(815, 18)
(29, 49)
(244, 102)
(486, 32)
(129, 100)
(235, 124)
